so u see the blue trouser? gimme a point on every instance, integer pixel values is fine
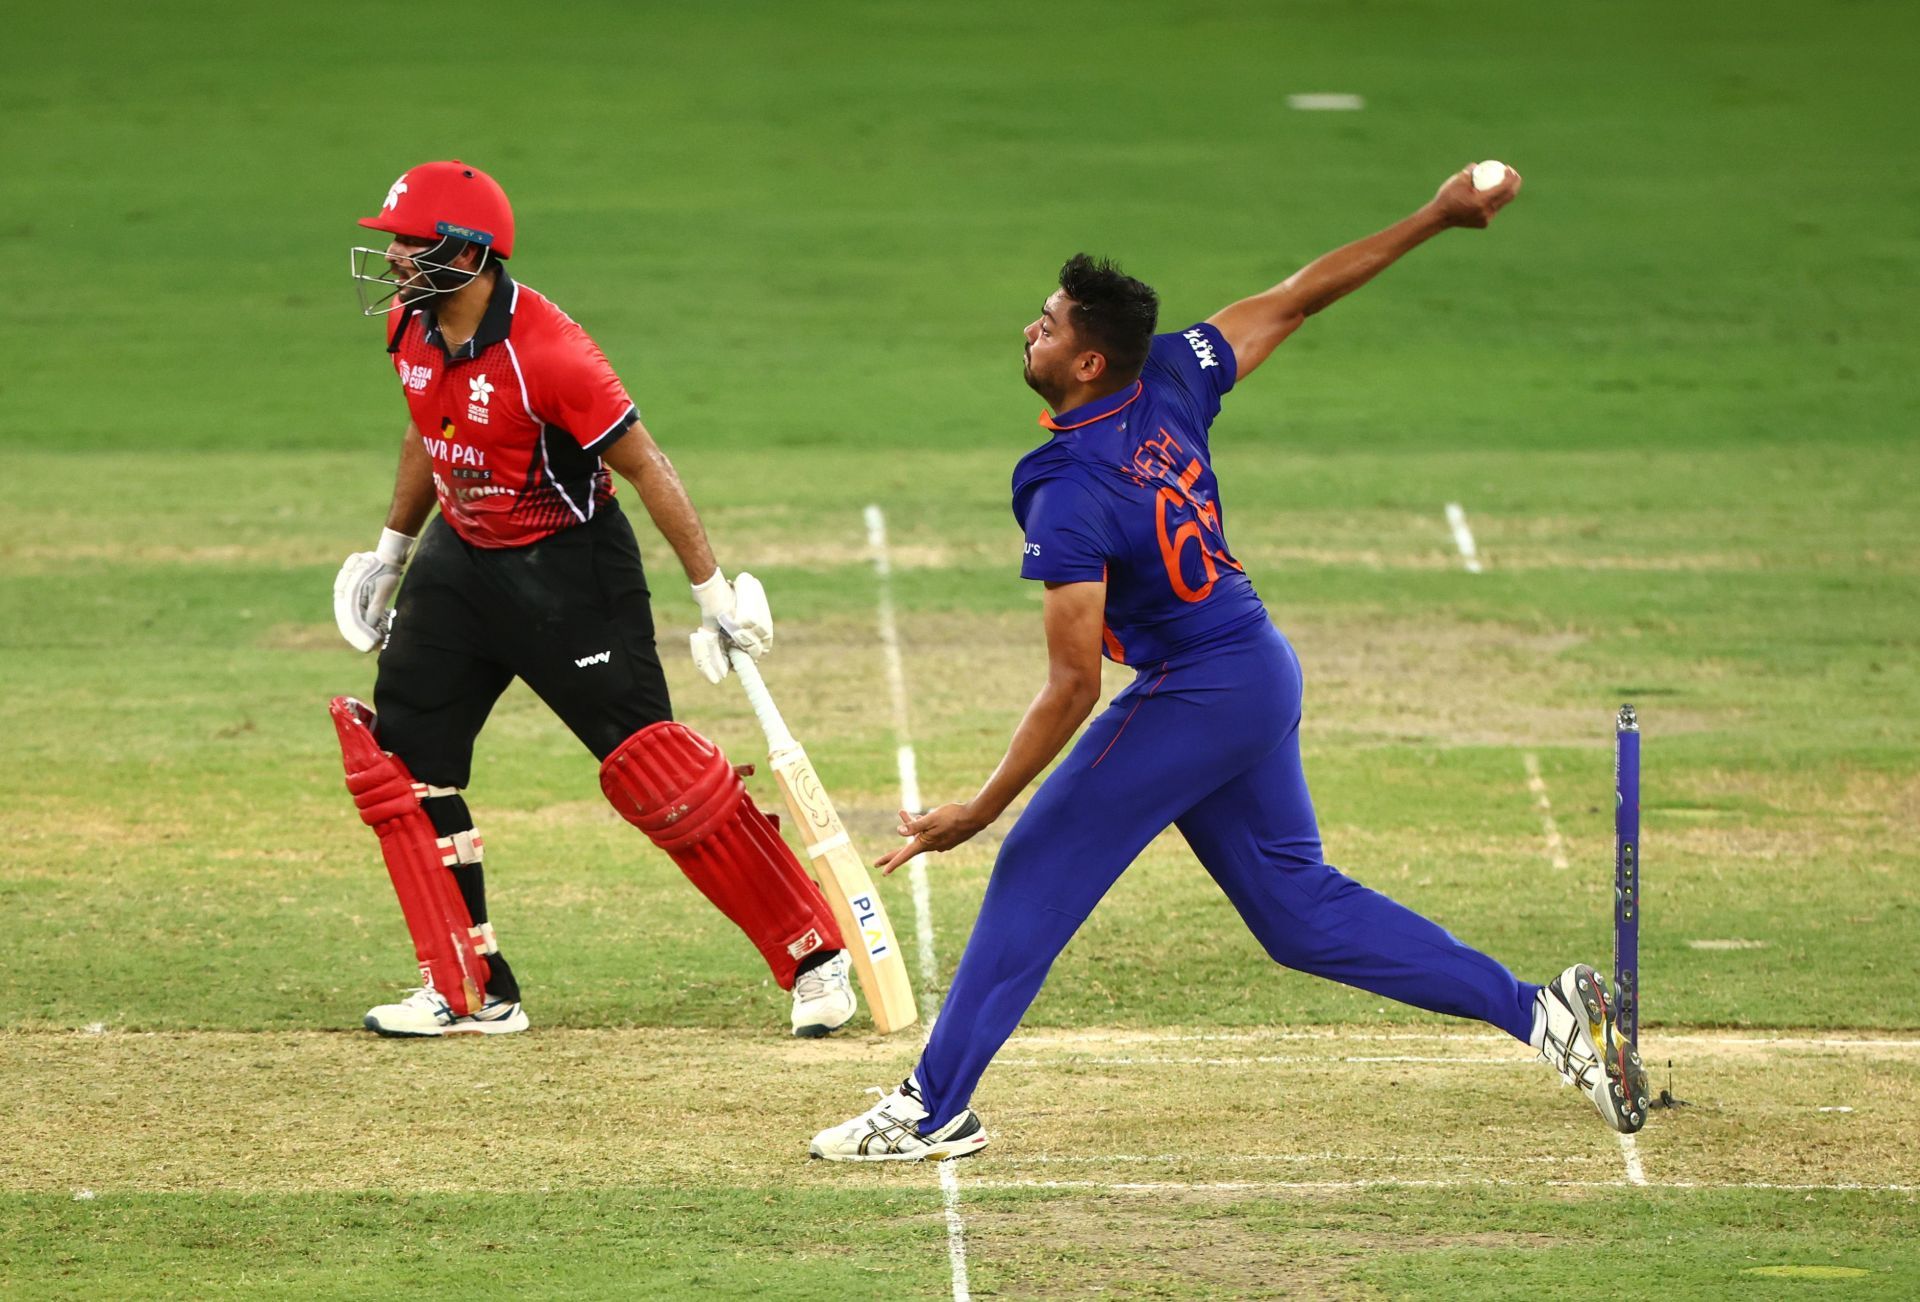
(1209, 743)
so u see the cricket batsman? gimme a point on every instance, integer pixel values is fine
(530, 570)
(1125, 527)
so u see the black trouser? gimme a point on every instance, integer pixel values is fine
(567, 614)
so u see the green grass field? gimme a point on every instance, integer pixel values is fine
(1673, 390)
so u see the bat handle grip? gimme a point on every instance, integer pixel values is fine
(778, 737)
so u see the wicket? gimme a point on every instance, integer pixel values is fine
(1626, 872)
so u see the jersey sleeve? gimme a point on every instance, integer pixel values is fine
(1068, 538)
(570, 383)
(1199, 362)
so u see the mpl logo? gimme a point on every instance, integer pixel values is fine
(479, 395)
(415, 377)
(394, 192)
(1202, 348)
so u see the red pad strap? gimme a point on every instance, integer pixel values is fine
(389, 802)
(676, 786)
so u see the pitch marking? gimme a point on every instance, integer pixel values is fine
(1704, 1039)
(1300, 1159)
(1389, 1182)
(1636, 1174)
(1463, 537)
(904, 760)
(1556, 848)
(916, 870)
(1263, 1060)
(1315, 102)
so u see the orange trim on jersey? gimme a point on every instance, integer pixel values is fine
(1130, 713)
(1115, 652)
(1047, 421)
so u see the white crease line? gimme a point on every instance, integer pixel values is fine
(905, 762)
(916, 872)
(1325, 102)
(1556, 848)
(1667, 1039)
(1297, 1159)
(1460, 1182)
(1463, 537)
(956, 1233)
(1636, 1174)
(1260, 1060)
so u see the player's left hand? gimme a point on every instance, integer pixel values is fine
(732, 614)
(1462, 205)
(936, 830)
(363, 591)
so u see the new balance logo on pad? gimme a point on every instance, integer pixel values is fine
(601, 658)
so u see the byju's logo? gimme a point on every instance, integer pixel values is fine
(1202, 348)
(1031, 549)
(393, 194)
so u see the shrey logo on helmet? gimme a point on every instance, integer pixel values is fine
(449, 207)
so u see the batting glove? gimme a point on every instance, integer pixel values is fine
(731, 615)
(363, 590)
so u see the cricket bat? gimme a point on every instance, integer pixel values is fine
(842, 874)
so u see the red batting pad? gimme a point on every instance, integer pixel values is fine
(676, 786)
(389, 802)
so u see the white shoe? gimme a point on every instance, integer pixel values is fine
(426, 1012)
(823, 999)
(1574, 1030)
(888, 1132)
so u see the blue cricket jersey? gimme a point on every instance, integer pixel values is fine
(1125, 490)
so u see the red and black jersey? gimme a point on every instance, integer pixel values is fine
(514, 419)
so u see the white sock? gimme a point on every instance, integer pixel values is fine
(1537, 1037)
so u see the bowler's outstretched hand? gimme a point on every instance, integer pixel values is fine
(937, 829)
(1462, 205)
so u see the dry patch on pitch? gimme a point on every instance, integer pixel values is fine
(62, 830)
(1858, 820)
(1146, 1243)
(1400, 540)
(1107, 1113)
(1373, 677)
(268, 553)
(1842, 795)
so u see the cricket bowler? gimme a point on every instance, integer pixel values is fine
(1125, 527)
(531, 571)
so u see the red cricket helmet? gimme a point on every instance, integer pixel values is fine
(438, 200)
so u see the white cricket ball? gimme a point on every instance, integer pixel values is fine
(1489, 174)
